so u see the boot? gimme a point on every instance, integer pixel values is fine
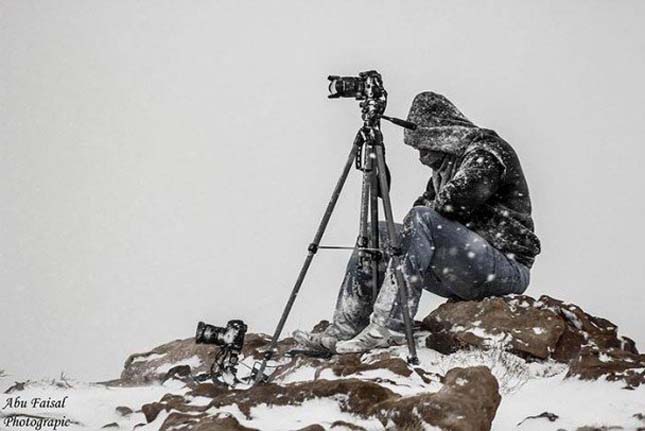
(372, 337)
(319, 341)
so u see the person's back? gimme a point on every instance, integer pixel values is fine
(490, 194)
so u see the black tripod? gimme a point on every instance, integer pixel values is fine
(368, 155)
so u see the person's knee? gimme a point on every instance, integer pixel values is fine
(422, 216)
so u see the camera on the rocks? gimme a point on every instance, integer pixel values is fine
(231, 340)
(232, 335)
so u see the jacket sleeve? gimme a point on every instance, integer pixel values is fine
(475, 181)
(426, 198)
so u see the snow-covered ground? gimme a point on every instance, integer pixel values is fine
(528, 389)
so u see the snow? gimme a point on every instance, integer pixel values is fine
(320, 411)
(146, 358)
(527, 389)
(91, 405)
(576, 402)
(193, 362)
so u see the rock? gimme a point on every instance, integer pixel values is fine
(512, 321)
(153, 366)
(583, 329)
(17, 386)
(546, 328)
(346, 426)
(611, 363)
(345, 365)
(467, 401)
(110, 425)
(218, 422)
(356, 396)
(551, 417)
(179, 359)
(124, 411)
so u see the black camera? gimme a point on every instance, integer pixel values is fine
(231, 336)
(366, 85)
(231, 340)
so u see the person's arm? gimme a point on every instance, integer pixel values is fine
(477, 179)
(426, 198)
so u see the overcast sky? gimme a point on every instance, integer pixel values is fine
(166, 162)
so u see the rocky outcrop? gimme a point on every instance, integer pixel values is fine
(183, 357)
(154, 366)
(380, 390)
(546, 328)
(467, 401)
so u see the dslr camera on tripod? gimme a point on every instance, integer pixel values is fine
(368, 155)
(366, 87)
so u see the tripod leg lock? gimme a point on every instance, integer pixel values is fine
(313, 248)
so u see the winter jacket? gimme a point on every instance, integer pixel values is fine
(477, 178)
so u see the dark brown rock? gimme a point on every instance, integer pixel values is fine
(208, 390)
(358, 397)
(201, 422)
(169, 402)
(467, 401)
(345, 365)
(514, 322)
(546, 328)
(153, 366)
(584, 329)
(612, 364)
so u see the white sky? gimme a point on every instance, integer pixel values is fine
(165, 162)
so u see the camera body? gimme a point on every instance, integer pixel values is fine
(366, 87)
(231, 340)
(232, 336)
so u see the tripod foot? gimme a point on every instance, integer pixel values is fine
(413, 360)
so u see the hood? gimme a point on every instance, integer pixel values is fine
(441, 127)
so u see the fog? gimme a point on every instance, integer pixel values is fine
(168, 162)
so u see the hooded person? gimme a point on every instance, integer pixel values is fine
(470, 235)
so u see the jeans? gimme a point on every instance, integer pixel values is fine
(439, 255)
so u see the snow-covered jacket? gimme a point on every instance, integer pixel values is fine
(477, 178)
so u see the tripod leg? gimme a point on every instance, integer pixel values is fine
(396, 255)
(374, 231)
(313, 248)
(362, 240)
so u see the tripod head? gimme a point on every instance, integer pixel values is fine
(368, 88)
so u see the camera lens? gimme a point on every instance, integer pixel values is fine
(208, 334)
(346, 86)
